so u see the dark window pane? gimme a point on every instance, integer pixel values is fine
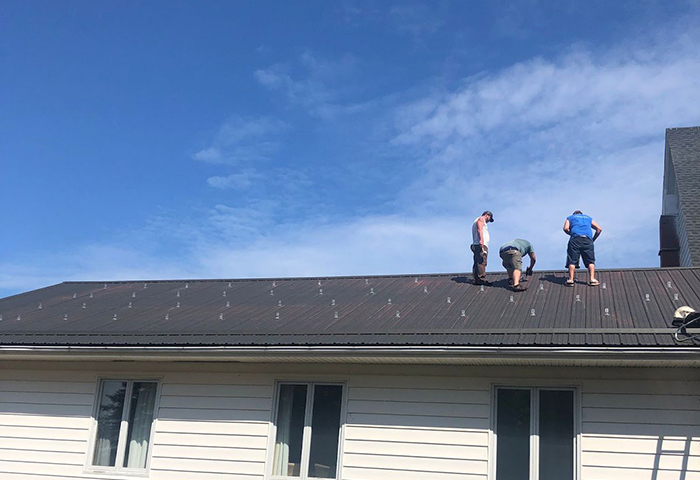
(325, 429)
(290, 430)
(513, 435)
(109, 419)
(556, 435)
(143, 400)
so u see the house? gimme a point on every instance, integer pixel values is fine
(361, 378)
(680, 215)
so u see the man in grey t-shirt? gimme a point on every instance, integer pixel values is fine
(512, 255)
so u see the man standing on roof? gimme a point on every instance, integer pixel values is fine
(480, 246)
(512, 255)
(580, 228)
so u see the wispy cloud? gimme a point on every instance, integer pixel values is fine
(241, 140)
(238, 181)
(322, 87)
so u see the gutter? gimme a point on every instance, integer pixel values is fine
(353, 354)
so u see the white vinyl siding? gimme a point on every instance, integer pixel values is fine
(402, 423)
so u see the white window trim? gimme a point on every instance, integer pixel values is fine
(118, 471)
(534, 426)
(306, 443)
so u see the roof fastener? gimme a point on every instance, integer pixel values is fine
(335, 314)
(675, 296)
(65, 317)
(178, 294)
(320, 291)
(177, 305)
(167, 316)
(398, 314)
(187, 285)
(274, 284)
(607, 312)
(319, 283)
(133, 295)
(129, 304)
(646, 298)
(40, 306)
(279, 303)
(229, 284)
(578, 298)
(604, 286)
(90, 294)
(366, 282)
(464, 313)
(221, 316)
(541, 286)
(145, 286)
(272, 292)
(425, 289)
(371, 290)
(668, 284)
(19, 317)
(481, 288)
(224, 293)
(415, 280)
(114, 317)
(84, 305)
(449, 300)
(75, 295)
(333, 302)
(104, 287)
(511, 299)
(532, 312)
(388, 302)
(277, 316)
(228, 304)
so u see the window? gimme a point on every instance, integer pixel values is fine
(307, 436)
(124, 418)
(535, 434)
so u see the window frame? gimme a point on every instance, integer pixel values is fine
(118, 468)
(306, 438)
(535, 426)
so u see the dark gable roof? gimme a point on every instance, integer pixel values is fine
(684, 145)
(630, 308)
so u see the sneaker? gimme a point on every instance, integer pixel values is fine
(519, 288)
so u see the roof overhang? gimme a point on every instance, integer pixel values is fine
(408, 355)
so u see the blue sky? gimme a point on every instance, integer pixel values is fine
(236, 139)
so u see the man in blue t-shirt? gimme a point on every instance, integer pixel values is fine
(580, 228)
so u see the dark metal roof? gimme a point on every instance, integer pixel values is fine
(684, 145)
(630, 308)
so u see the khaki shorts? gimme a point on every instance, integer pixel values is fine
(512, 259)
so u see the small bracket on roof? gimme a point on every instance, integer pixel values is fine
(604, 286)
(177, 305)
(75, 295)
(84, 305)
(668, 284)
(277, 316)
(274, 284)
(335, 314)
(398, 314)
(114, 317)
(279, 303)
(40, 306)
(481, 288)
(511, 299)
(333, 302)
(272, 292)
(449, 300)
(167, 316)
(415, 280)
(578, 298)
(187, 285)
(319, 283)
(675, 297)
(0, 318)
(425, 289)
(65, 317)
(178, 294)
(19, 317)
(221, 316)
(541, 286)
(388, 302)
(532, 312)
(371, 290)
(229, 284)
(104, 287)
(320, 291)
(463, 314)
(224, 293)
(90, 294)
(129, 304)
(228, 304)
(607, 312)
(145, 286)
(133, 295)
(646, 298)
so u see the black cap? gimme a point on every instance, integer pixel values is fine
(489, 214)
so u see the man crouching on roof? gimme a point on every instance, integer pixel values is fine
(512, 255)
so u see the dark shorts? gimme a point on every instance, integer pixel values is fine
(580, 247)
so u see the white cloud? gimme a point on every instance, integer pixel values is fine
(241, 140)
(238, 181)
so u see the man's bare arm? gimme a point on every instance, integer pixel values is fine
(567, 227)
(597, 229)
(480, 227)
(533, 260)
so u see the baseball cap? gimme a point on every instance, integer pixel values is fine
(487, 212)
